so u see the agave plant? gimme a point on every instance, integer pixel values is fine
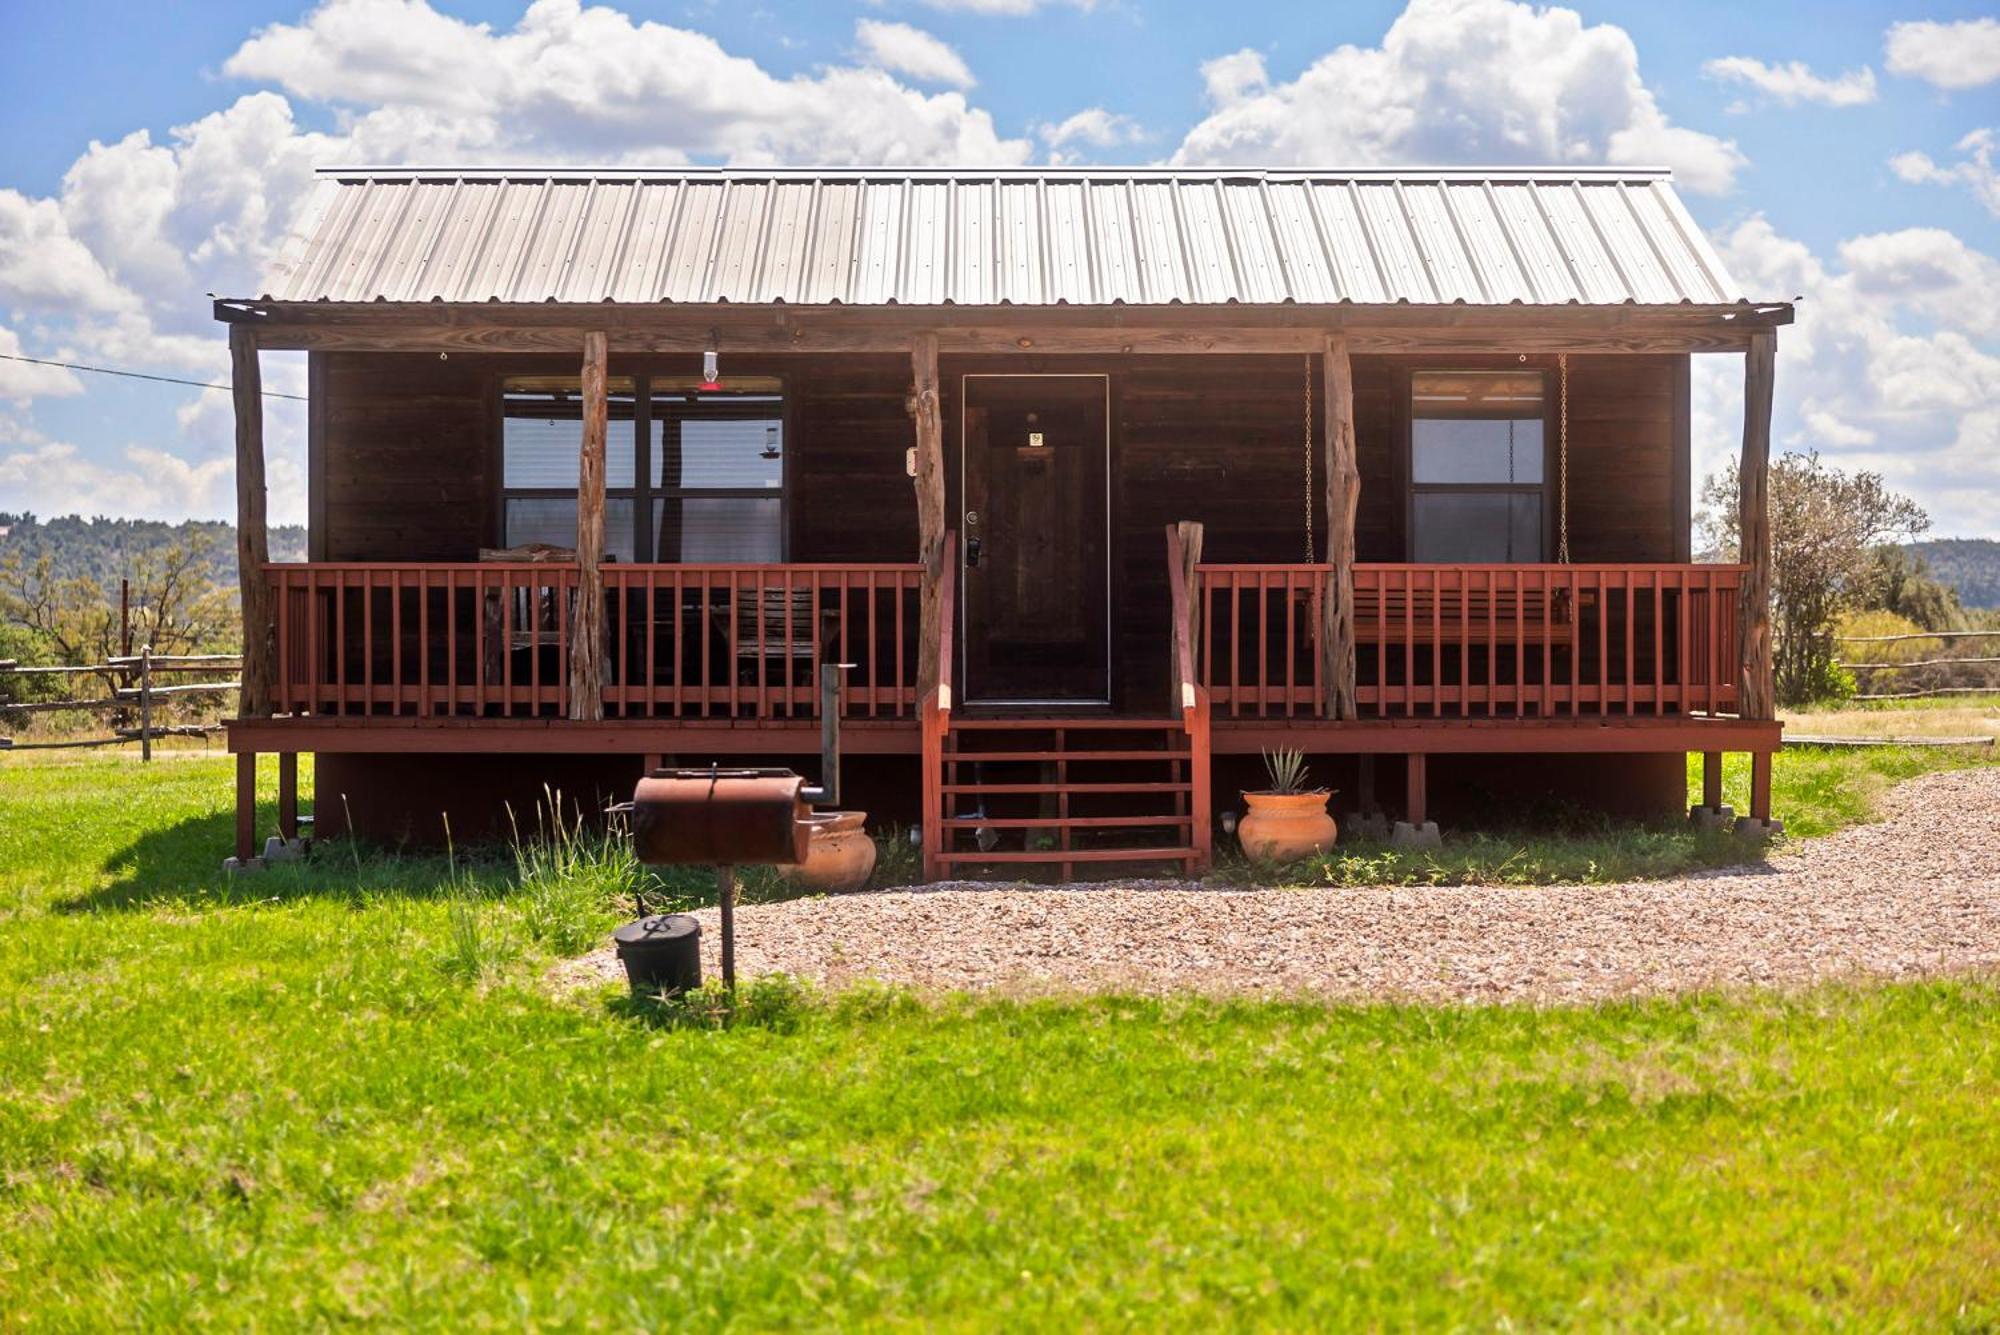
(1286, 769)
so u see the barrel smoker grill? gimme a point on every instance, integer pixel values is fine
(724, 818)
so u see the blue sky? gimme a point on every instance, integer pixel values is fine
(1794, 130)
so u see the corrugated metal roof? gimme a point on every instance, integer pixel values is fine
(968, 237)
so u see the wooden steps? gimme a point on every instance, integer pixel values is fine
(1063, 792)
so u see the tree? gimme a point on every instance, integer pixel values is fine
(176, 605)
(1825, 526)
(1899, 580)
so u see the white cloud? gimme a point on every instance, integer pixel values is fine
(1975, 170)
(1093, 127)
(118, 263)
(43, 266)
(21, 381)
(54, 478)
(1890, 366)
(1930, 270)
(1458, 81)
(1951, 56)
(902, 49)
(1234, 77)
(1793, 82)
(568, 82)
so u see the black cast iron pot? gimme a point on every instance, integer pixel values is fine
(661, 953)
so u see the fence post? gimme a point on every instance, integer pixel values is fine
(146, 703)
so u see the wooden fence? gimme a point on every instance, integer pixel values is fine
(134, 695)
(1934, 677)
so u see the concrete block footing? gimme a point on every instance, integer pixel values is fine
(1712, 818)
(1406, 835)
(1749, 827)
(234, 865)
(280, 849)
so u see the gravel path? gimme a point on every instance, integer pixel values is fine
(1916, 895)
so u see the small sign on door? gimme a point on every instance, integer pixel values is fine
(1034, 440)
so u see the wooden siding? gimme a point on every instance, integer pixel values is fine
(404, 448)
(402, 471)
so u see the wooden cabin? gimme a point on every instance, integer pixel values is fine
(1100, 480)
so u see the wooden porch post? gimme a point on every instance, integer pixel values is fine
(260, 665)
(1343, 496)
(246, 807)
(1754, 526)
(586, 641)
(929, 482)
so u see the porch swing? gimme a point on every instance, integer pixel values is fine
(1467, 615)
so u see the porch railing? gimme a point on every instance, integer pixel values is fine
(1477, 641)
(683, 641)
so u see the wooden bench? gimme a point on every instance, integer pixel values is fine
(1477, 616)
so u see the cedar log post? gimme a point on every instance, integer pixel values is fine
(929, 483)
(253, 552)
(1189, 533)
(1343, 497)
(586, 641)
(1754, 527)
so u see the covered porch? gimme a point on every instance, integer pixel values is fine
(1357, 527)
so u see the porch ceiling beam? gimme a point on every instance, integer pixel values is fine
(1524, 338)
(906, 320)
(1092, 330)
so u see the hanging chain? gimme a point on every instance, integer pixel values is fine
(1310, 545)
(1562, 465)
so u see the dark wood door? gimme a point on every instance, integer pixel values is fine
(1033, 538)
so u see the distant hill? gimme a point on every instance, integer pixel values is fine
(1970, 565)
(105, 548)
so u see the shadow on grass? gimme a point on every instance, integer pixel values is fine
(181, 863)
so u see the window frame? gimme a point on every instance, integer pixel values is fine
(643, 493)
(665, 491)
(1545, 489)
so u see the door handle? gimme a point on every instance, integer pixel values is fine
(972, 549)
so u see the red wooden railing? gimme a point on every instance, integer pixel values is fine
(683, 641)
(1478, 641)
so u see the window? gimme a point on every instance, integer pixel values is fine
(689, 475)
(718, 472)
(1476, 466)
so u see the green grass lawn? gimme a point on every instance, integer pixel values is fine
(341, 1093)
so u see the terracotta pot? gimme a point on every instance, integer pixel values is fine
(839, 856)
(1283, 827)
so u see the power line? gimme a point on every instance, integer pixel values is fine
(138, 375)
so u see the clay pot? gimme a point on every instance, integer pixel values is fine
(1284, 827)
(839, 856)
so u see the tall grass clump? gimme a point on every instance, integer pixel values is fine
(473, 948)
(573, 877)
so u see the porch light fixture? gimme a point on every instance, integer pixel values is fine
(711, 378)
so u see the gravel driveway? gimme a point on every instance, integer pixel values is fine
(1916, 895)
